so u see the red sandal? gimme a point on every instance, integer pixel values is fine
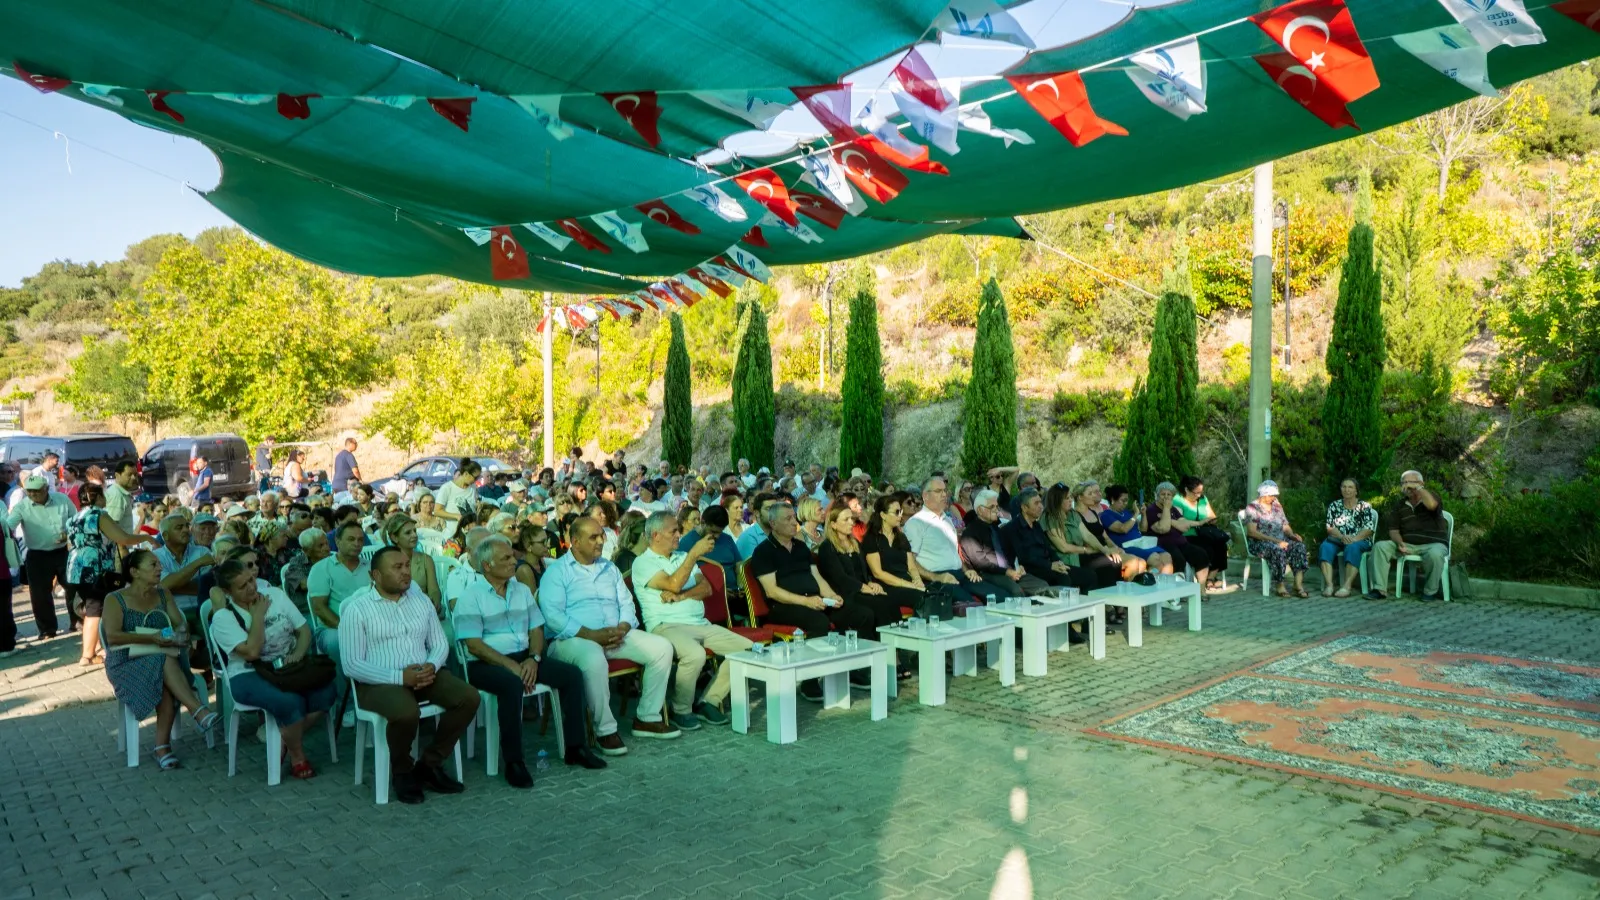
(302, 769)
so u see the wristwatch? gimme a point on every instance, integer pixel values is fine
(536, 658)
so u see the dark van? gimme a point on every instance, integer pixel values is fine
(165, 467)
(79, 450)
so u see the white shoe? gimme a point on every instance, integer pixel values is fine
(349, 720)
(261, 733)
(1174, 605)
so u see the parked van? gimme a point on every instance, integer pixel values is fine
(164, 469)
(80, 450)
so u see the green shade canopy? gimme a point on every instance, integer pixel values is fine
(364, 187)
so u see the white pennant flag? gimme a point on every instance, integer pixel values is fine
(747, 261)
(800, 229)
(937, 127)
(101, 92)
(1172, 77)
(742, 104)
(717, 201)
(550, 236)
(890, 134)
(725, 275)
(829, 178)
(246, 99)
(975, 119)
(1496, 22)
(396, 101)
(1453, 52)
(546, 110)
(480, 236)
(630, 234)
(983, 19)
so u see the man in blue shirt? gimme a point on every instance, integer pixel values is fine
(202, 482)
(345, 466)
(754, 534)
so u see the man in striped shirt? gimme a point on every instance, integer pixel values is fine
(395, 651)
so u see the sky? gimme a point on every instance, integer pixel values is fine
(107, 201)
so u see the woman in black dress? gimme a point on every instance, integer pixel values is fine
(842, 565)
(889, 559)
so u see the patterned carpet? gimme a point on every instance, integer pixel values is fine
(1517, 736)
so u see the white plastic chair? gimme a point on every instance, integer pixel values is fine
(371, 727)
(488, 715)
(1444, 577)
(127, 726)
(219, 664)
(1266, 570)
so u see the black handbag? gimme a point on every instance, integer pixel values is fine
(305, 674)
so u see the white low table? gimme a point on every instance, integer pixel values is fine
(960, 636)
(1043, 623)
(782, 676)
(1136, 597)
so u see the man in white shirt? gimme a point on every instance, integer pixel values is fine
(589, 618)
(937, 547)
(395, 652)
(334, 580)
(119, 494)
(746, 477)
(647, 502)
(502, 630)
(49, 468)
(43, 515)
(671, 597)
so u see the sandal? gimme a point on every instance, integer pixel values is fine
(1302, 593)
(302, 769)
(89, 662)
(206, 722)
(1282, 592)
(169, 760)
(1342, 592)
(1327, 590)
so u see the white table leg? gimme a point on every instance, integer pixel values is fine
(882, 677)
(930, 677)
(992, 651)
(890, 664)
(1008, 661)
(1056, 640)
(1155, 614)
(780, 708)
(1033, 648)
(836, 690)
(1097, 634)
(966, 660)
(1135, 626)
(739, 690)
(1194, 610)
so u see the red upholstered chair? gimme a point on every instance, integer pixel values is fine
(758, 603)
(717, 606)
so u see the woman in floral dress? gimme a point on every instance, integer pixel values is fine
(1351, 524)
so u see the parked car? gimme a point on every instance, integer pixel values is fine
(81, 450)
(434, 471)
(165, 469)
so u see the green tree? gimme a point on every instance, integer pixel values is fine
(989, 409)
(1425, 312)
(1145, 458)
(861, 392)
(1549, 322)
(1351, 415)
(677, 401)
(754, 413)
(1164, 414)
(1177, 308)
(256, 336)
(104, 384)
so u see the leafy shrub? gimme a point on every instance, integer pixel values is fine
(1070, 410)
(1539, 536)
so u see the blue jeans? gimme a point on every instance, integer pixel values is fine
(1352, 552)
(287, 708)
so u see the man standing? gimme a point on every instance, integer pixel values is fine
(937, 547)
(263, 465)
(1416, 528)
(119, 494)
(589, 616)
(49, 469)
(43, 515)
(671, 597)
(345, 466)
(202, 482)
(395, 651)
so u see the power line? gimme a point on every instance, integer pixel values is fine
(72, 140)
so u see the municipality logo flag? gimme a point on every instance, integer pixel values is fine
(1454, 53)
(981, 19)
(1172, 77)
(1496, 22)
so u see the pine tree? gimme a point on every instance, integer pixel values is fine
(861, 394)
(677, 401)
(989, 410)
(1351, 418)
(1163, 417)
(754, 418)
(1177, 302)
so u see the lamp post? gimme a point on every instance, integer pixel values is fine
(1280, 219)
(1259, 443)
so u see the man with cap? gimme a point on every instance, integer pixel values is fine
(517, 492)
(205, 529)
(43, 515)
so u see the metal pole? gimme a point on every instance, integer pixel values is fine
(1288, 307)
(1259, 462)
(547, 345)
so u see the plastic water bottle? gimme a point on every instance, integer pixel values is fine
(799, 639)
(542, 762)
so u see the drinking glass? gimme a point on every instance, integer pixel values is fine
(852, 640)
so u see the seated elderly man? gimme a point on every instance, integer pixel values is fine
(984, 549)
(466, 575)
(671, 593)
(499, 622)
(297, 572)
(589, 618)
(1416, 528)
(937, 547)
(395, 652)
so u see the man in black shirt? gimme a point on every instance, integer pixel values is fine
(985, 552)
(1027, 545)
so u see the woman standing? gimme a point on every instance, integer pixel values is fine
(400, 530)
(1351, 523)
(92, 541)
(1271, 538)
(459, 495)
(889, 559)
(153, 681)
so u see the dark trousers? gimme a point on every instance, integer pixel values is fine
(815, 623)
(46, 569)
(1214, 541)
(964, 591)
(564, 679)
(399, 704)
(1001, 586)
(8, 619)
(885, 607)
(1075, 576)
(1105, 572)
(1193, 554)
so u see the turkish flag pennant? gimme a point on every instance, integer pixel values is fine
(870, 172)
(766, 188)
(659, 212)
(726, 263)
(544, 322)
(818, 207)
(1321, 36)
(456, 110)
(660, 292)
(919, 163)
(295, 106)
(606, 305)
(682, 292)
(44, 84)
(508, 259)
(918, 79)
(640, 110)
(1584, 12)
(722, 288)
(1315, 95)
(575, 319)
(830, 103)
(158, 102)
(754, 237)
(1063, 101)
(582, 235)
(631, 304)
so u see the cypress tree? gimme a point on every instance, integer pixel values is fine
(989, 410)
(1163, 417)
(1177, 301)
(861, 394)
(677, 401)
(1351, 418)
(754, 417)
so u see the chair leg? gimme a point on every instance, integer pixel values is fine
(1244, 585)
(1266, 579)
(233, 743)
(121, 732)
(333, 737)
(380, 769)
(471, 737)
(361, 747)
(555, 713)
(1444, 578)
(130, 736)
(274, 751)
(491, 732)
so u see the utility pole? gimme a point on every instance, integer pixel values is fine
(1259, 461)
(1281, 220)
(546, 345)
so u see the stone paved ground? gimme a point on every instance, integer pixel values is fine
(997, 794)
